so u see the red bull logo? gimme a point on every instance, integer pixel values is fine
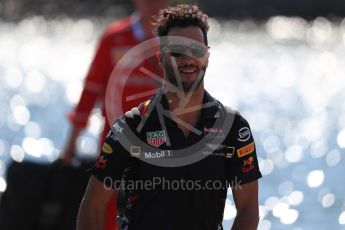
(212, 130)
(101, 163)
(248, 165)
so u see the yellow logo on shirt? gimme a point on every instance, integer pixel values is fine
(119, 52)
(107, 148)
(248, 149)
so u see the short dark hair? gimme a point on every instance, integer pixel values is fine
(182, 15)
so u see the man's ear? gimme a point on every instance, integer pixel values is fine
(207, 58)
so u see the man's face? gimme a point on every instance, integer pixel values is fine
(185, 59)
(150, 7)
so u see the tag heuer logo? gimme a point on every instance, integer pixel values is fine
(156, 139)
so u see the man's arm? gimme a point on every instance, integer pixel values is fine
(247, 205)
(93, 205)
(70, 148)
(95, 84)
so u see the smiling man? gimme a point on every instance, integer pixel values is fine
(174, 157)
(118, 38)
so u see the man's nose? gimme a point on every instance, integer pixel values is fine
(188, 57)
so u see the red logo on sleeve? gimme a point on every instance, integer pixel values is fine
(248, 165)
(101, 163)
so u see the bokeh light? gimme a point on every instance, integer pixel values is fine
(342, 218)
(17, 153)
(315, 178)
(3, 184)
(295, 198)
(280, 209)
(265, 225)
(333, 158)
(294, 154)
(328, 200)
(289, 216)
(35, 82)
(266, 166)
(341, 139)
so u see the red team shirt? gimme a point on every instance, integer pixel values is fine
(118, 38)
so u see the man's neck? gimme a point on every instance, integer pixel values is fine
(146, 22)
(186, 108)
(183, 101)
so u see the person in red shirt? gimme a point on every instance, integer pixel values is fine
(117, 39)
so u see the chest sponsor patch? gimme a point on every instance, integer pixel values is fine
(117, 128)
(213, 132)
(220, 151)
(248, 149)
(156, 138)
(119, 52)
(107, 148)
(114, 138)
(158, 154)
(135, 151)
(230, 151)
(243, 134)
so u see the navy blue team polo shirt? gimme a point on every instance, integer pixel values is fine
(190, 196)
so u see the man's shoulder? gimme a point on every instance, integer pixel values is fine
(118, 28)
(238, 117)
(240, 130)
(227, 111)
(234, 116)
(133, 117)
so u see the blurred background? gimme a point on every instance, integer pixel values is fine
(281, 63)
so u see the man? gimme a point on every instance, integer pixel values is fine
(118, 38)
(142, 153)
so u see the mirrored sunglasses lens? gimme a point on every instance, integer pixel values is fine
(176, 54)
(198, 50)
(177, 50)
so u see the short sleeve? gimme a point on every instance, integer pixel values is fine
(243, 166)
(113, 159)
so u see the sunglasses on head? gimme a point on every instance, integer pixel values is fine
(176, 50)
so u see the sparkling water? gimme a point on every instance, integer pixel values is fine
(285, 75)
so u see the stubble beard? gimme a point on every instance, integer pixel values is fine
(186, 86)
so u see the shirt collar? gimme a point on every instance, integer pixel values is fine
(211, 108)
